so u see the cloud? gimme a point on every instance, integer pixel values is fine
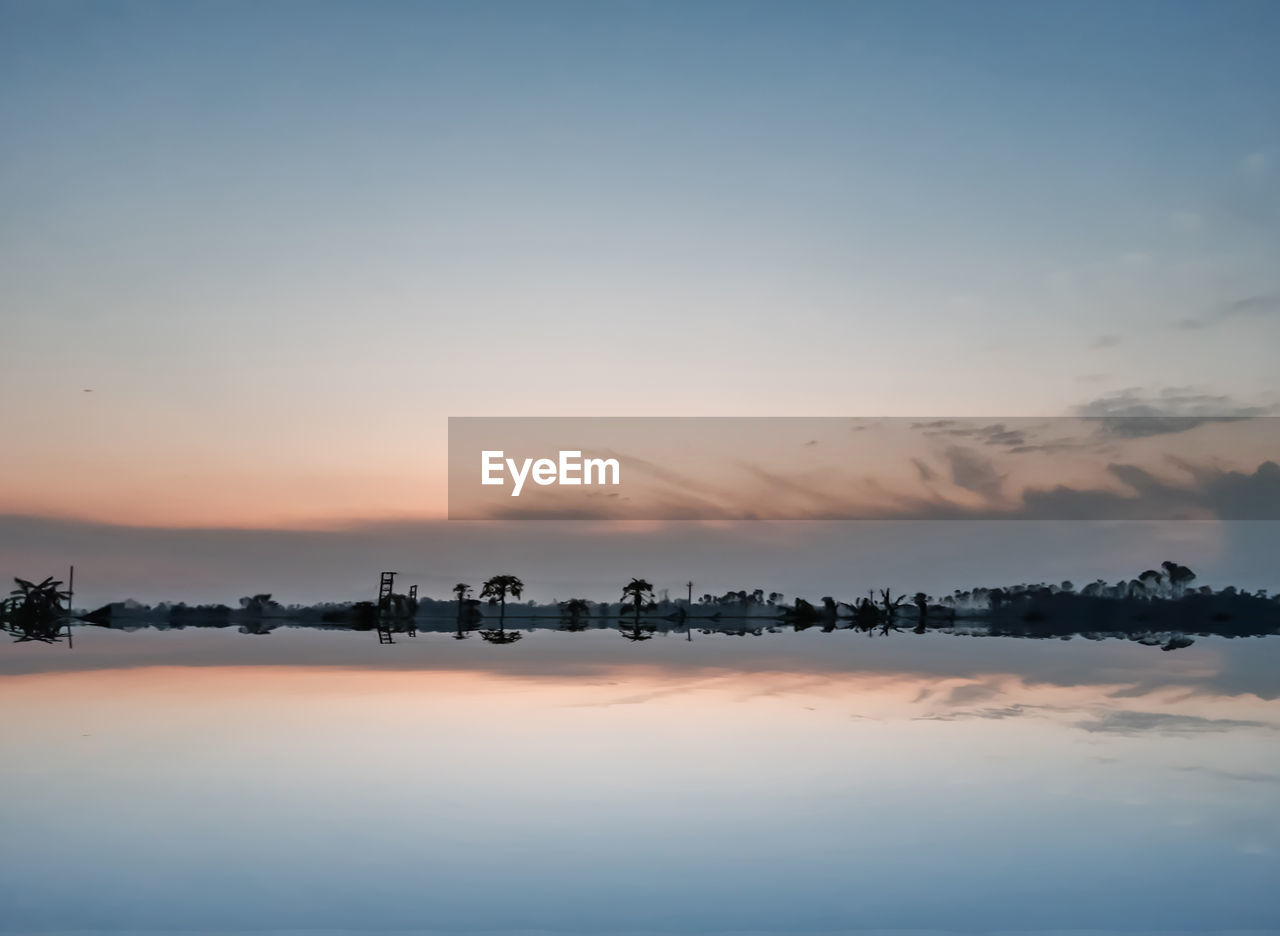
(994, 713)
(1016, 440)
(926, 473)
(1257, 306)
(1213, 493)
(1131, 722)
(970, 693)
(973, 472)
(993, 434)
(1133, 414)
(1105, 341)
(1135, 492)
(1256, 164)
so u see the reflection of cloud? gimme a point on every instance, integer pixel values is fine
(1131, 722)
(995, 713)
(1237, 775)
(652, 695)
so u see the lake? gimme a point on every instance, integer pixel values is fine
(795, 782)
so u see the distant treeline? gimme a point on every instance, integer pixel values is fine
(1159, 607)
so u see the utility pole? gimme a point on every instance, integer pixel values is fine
(71, 591)
(688, 621)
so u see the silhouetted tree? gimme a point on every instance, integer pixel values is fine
(461, 591)
(921, 601)
(865, 614)
(890, 604)
(638, 593)
(573, 611)
(34, 610)
(496, 590)
(1179, 577)
(257, 604)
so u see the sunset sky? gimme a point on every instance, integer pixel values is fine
(281, 243)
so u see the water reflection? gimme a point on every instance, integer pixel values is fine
(792, 782)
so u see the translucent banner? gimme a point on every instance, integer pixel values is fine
(893, 468)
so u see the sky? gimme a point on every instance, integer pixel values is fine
(280, 243)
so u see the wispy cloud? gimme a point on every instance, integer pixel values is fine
(1239, 776)
(1256, 306)
(975, 473)
(1133, 413)
(1256, 164)
(995, 713)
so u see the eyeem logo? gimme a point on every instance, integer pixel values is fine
(568, 469)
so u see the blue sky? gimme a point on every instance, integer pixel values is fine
(283, 242)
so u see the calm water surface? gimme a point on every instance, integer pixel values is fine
(794, 782)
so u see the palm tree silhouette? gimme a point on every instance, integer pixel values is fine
(639, 594)
(496, 590)
(35, 610)
(461, 591)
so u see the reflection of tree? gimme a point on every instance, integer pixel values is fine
(638, 595)
(34, 611)
(496, 590)
(889, 605)
(501, 636)
(1158, 608)
(865, 614)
